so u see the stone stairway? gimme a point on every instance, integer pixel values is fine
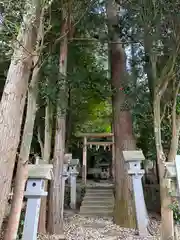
(98, 201)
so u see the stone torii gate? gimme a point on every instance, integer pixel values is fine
(88, 136)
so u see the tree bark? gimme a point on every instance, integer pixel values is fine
(48, 132)
(167, 224)
(151, 77)
(46, 160)
(13, 98)
(22, 168)
(68, 121)
(175, 128)
(148, 65)
(55, 224)
(124, 213)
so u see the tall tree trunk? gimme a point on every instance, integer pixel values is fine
(13, 98)
(167, 225)
(122, 123)
(150, 75)
(46, 160)
(22, 168)
(134, 71)
(148, 65)
(48, 132)
(157, 91)
(175, 128)
(55, 219)
(68, 121)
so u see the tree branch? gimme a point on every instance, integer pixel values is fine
(164, 111)
(40, 141)
(175, 127)
(167, 74)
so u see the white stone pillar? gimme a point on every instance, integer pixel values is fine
(133, 159)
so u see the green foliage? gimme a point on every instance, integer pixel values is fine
(178, 105)
(99, 119)
(12, 16)
(176, 211)
(21, 225)
(49, 84)
(88, 87)
(143, 123)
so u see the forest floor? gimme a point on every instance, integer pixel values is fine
(79, 228)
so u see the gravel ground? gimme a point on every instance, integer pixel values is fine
(79, 228)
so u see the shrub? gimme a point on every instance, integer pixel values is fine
(176, 211)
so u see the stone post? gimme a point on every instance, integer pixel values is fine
(65, 177)
(73, 175)
(172, 174)
(84, 166)
(67, 160)
(133, 159)
(34, 192)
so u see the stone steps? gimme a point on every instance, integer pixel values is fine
(99, 195)
(89, 213)
(98, 201)
(100, 192)
(97, 208)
